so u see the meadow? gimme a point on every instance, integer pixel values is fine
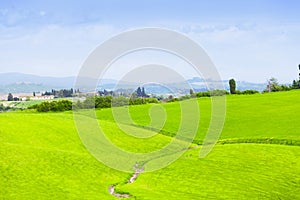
(257, 156)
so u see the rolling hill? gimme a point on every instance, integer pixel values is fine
(257, 156)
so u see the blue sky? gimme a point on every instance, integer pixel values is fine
(247, 40)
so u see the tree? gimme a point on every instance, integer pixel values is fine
(299, 71)
(232, 86)
(143, 92)
(296, 83)
(273, 85)
(10, 97)
(54, 106)
(139, 92)
(191, 91)
(34, 94)
(170, 97)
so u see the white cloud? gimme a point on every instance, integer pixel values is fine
(42, 13)
(245, 51)
(52, 50)
(253, 54)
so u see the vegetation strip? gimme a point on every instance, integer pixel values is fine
(289, 142)
(262, 141)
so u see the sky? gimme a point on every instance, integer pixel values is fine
(247, 40)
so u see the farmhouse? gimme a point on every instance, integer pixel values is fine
(46, 97)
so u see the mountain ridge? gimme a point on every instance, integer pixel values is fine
(21, 82)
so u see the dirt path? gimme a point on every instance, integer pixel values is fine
(137, 172)
(111, 190)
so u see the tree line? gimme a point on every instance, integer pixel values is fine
(55, 106)
(274, 86)
(60, 93)
(90, 102)
(107, 99)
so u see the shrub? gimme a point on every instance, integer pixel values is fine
(3, 108)
(249, 92)
(203, 94)
(151, 100)
(103, 102)
(54, 106)
(232, 86)
(218, 92)
(173, 100)
(120, 101)
(184, 97)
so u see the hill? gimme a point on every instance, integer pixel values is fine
(42, 157)
(21, 83)
(27, 83)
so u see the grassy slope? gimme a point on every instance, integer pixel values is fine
(272, 115)
(42, 156)
(239, 171)
(231, 171)
(268, 115)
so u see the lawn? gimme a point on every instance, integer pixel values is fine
(238, 171)
(274, 115)
(42, 156)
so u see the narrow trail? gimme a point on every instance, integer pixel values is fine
(137, 171)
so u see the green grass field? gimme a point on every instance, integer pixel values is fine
(42, 157)
(25, 104)
(259, 116)
(20, 104)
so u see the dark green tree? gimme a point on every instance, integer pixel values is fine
(295, 84)
(299, 71)
(143, 92)
(10, 97)
(54, 106)
(232, 86)
(191, 91)
(139, 92)
(273, 85)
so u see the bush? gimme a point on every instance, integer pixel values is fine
(249, 92)
(120, 101)
(203, 94)
(103, 102)
(218, 92)
(3, 108)
(238, 92)
(54, 106)
(212, 93)
(89, 102)
(108, 101)
(172, 100)
(185, 97)
(151, 100)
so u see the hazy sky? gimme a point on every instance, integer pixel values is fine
(248, 40)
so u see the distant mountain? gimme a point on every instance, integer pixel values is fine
(26, 83)
(200, 85)
(19, 82)
(12, 78)
(24, 87)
